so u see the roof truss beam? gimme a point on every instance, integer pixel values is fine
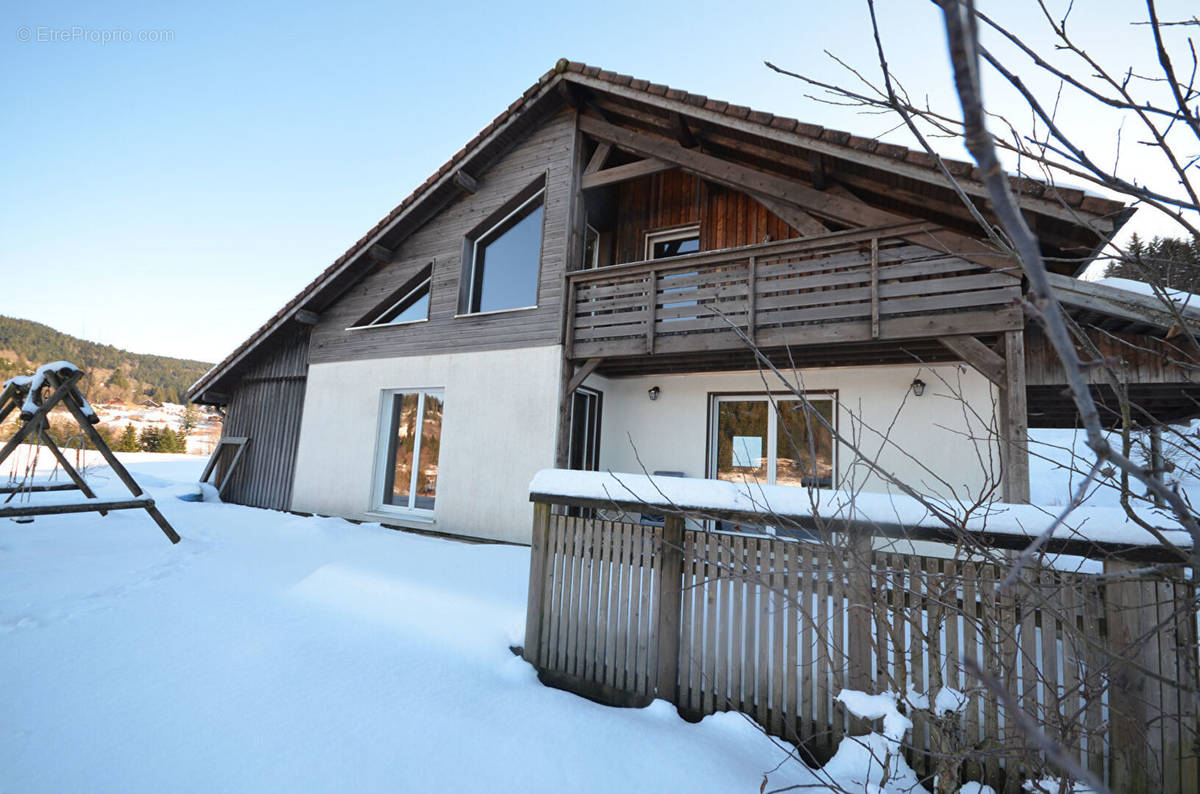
(623, 173)
(822, 204)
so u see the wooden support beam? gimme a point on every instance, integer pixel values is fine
(381, 254)
(988, 363)
(817, 169)
(823, 204)
(581, 375)
(535, 602)
(623, 173)
(1014, 422)
(306, 317)
(465, 182)
(599, 158)
(874, 287)
(683, 133)
(651, 309)
(752, 300)
(670, 597)
(793, 216)
(27, 511)
(76, 478)
(102, 447)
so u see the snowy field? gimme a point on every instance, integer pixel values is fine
(269, 652)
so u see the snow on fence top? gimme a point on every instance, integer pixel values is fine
(1085, 531)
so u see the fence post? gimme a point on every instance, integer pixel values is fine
(1131, 624)
(860, 603)
(539, 545)
(670, 591)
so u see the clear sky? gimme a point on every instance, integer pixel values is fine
(167, 190)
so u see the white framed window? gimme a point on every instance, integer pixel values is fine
(409, 304)
(409, 446)
(504, 259)
(667, 243)
(773, 440)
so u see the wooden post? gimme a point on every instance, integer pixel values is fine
(1131, 628)
(1014, 422)
(651, 309)
(538, 549)
(752, 299)
(860, 602)
(670, 594)
(874, 287)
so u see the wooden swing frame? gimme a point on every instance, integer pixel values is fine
(64, 383)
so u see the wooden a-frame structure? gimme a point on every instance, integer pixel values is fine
(26, 396)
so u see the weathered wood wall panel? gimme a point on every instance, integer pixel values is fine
(727, 217)
(266, 406)
(547, 151)
(1135, 358)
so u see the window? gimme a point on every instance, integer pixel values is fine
(786, 446)
(672, 242)
(412, 436)
(409, 304)
(505, 257)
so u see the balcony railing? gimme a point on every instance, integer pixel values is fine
(862, 285)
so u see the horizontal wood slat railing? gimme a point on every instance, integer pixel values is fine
(862, 285)
(775, 628)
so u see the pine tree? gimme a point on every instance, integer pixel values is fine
(128, 442)
(1168, 262)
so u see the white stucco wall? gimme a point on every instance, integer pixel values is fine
(498, 428)
(935, 429)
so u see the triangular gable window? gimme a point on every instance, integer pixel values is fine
(409, 304)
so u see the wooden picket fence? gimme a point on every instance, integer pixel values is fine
(775, 628)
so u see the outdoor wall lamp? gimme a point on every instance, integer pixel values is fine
(654, 392)
(918, 387)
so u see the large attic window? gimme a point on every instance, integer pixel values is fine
(409, 304)
(502, 257)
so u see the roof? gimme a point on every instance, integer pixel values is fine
(1069, 204)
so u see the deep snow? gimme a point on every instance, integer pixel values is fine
(270, 652)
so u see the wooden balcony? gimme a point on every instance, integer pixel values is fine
(866, 285)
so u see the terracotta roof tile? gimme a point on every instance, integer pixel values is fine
(835, 136)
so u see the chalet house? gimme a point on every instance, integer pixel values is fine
(579, 286)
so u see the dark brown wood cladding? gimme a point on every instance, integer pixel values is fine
(547, 151)
(727, 218)
(267, 406)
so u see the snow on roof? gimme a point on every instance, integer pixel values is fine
(1143, 288)
(1107, 525)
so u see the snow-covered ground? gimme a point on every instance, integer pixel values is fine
(270, 652)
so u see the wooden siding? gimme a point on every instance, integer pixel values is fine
(1135, 358)
(266, 406)
(548, 151)
(727, 218)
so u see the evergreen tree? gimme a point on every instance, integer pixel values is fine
(191, 418)
(1164, 261)
(128, 442)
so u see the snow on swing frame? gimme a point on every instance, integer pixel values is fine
(28, 394)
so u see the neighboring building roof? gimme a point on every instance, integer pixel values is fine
(1068, 204)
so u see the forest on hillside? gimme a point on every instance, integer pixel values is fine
(112, 373)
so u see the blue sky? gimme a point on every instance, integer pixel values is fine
(169, 196)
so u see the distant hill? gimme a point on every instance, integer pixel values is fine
(112, 373)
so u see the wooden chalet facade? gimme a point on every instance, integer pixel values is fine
(581, 285)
